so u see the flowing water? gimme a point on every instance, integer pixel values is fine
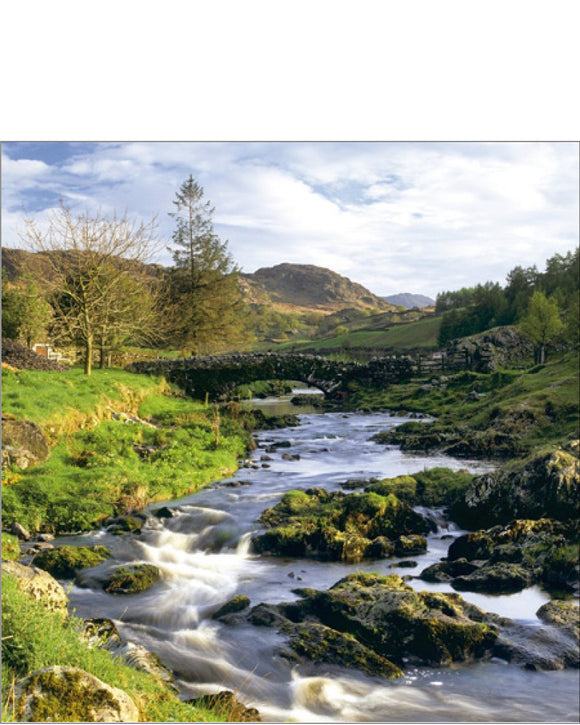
(204, 555)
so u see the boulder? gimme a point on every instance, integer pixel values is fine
(385, 615)
(132, 579)
(522, 552)
(25, 437)
(226, 704)
(424, 628)
(545, 486)
(63, 562)
(538, 648)
(142, 659)
(236, 604)
(410, 545)
(500, 578)
(125, 524)
(39, 584)
(445, 571)
(562, 614)
(323, 645)
(336, 526)
(69, 694)
(18, 530)
(101, 632)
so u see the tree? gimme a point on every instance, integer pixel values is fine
(25, 312)
(91, 258)
(207, 302)
(541, 323)
(130, 316)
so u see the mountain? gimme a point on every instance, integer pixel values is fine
(408, 300)
(307, 287)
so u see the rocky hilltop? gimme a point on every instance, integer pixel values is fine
(309, 287)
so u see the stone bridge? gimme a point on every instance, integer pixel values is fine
(219, 375)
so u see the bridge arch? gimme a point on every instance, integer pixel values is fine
(217, 375)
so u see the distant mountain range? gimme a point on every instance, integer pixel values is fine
(409, 300)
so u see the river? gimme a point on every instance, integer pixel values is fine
(205, 559)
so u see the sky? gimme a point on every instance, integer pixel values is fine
(395, 217)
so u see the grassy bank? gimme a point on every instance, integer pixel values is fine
(539, 405)
(120, 442)
(33, 638)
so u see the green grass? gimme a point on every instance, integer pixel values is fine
(33, 638)
(61, 402)
(10, 546)
(420, 334)
(548, 395)
(102, 468)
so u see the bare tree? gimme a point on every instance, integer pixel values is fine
(93, 258)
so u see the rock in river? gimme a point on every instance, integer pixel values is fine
(379, 624)
(337, 526)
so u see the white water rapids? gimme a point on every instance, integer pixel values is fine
(204, 556)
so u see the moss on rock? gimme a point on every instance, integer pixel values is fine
(382, 614)
(64, 562)
(237, 604)
(68, 694)
(336, 526)
(323, 645)
(39, 584)
(226, 706)
(132, 579)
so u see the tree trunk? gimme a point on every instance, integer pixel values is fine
(102, 357)
(88, 355)
(542, 354)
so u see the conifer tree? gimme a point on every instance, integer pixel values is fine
(207, 306)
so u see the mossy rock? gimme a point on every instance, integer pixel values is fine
(132, 579)
(101, 632)
(445, 571)
(403, 625)
(125, 525)
(336, 526)
(227, 707)
(562, 614)
(499, 578)
(39, 584)
(410, 545)
(237, 604)
(323, 645)
(478, 545)
(69, 694)
(64, 562)
(10, 547)
(546, 549)
(545, 485)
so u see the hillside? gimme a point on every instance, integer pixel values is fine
(302, 287)
(409, 300)
(16, 262)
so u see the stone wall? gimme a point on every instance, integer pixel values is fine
(217, 375)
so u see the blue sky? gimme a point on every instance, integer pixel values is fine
(396, 217)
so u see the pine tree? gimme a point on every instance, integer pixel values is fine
(207, 309)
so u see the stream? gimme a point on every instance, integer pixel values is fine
(205, 558)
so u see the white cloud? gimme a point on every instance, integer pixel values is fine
(392, 216)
